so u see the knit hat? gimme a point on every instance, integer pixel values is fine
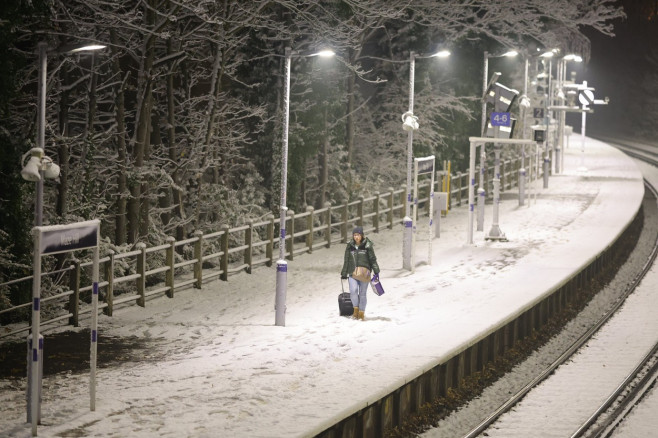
(358, 230)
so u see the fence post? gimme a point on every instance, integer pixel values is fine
(359, 213)
(343, 225)
(389, 214)
(309, 226)
(327, 221)
(376, 219)
(224, 258)
(109, 277)
(74, 298)
(248, 241)
(141, 270)
(169, 275)
(459, 188)
(290, 241)
(269, 248)
(198, 256)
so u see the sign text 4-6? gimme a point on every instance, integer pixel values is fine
(500, 119)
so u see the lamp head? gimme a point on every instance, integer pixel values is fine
(51, 170)
(325, 53)
(441, 54)
(30, 171)
(87, 48)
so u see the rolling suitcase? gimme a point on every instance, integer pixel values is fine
(345, 302)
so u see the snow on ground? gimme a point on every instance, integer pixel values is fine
(218, 366)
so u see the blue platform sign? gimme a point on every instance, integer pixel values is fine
(64, 238)
(501, 119)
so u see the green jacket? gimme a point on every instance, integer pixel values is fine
(364, 255)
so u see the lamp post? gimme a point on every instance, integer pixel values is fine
(281, 264)
(562, 79)
(481, 192)
(410, 125)
(38, 167)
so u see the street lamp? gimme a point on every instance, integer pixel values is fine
(481, 192)
(410, 124)
(281, 264)
(562, 79)
(36, 169)
(39, 165)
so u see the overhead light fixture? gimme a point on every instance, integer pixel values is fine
(325, 53)
(88, 48)
(441, 54)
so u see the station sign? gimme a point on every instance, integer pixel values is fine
(64, 238)
(500, 119)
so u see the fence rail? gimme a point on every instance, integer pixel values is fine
(232, 250)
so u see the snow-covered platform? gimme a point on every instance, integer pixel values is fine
(217, 365)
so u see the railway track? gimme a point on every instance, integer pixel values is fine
(637, 382)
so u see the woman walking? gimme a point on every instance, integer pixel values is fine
(359, 255)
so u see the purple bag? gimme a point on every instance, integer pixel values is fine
(376, 286)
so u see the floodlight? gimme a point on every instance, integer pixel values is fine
(31, 170)
(409, 121)
(51, 170)
(548, 54)
(510, 54)
(524, 101)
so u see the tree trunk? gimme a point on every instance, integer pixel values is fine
(63, 148)
(122, 179)
(349, 131)
(324, 164)
(176, 194)
(210, 129)
(136, 214)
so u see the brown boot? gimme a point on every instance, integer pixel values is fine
(355, 315)
(362, 315)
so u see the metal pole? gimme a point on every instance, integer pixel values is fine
(495, 232)
(37, 357)
(408, 222)
(471, 191)
(414, 215)
(522, 170)
(94, 329)
(482, 193)
(431, 210)
(582, 144)
(36, 320)
(41, 128)
(281, 264)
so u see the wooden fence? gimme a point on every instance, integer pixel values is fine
(133, 276)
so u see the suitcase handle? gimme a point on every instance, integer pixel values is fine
(342, 285)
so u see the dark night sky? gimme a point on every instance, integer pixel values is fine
(617, 68)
